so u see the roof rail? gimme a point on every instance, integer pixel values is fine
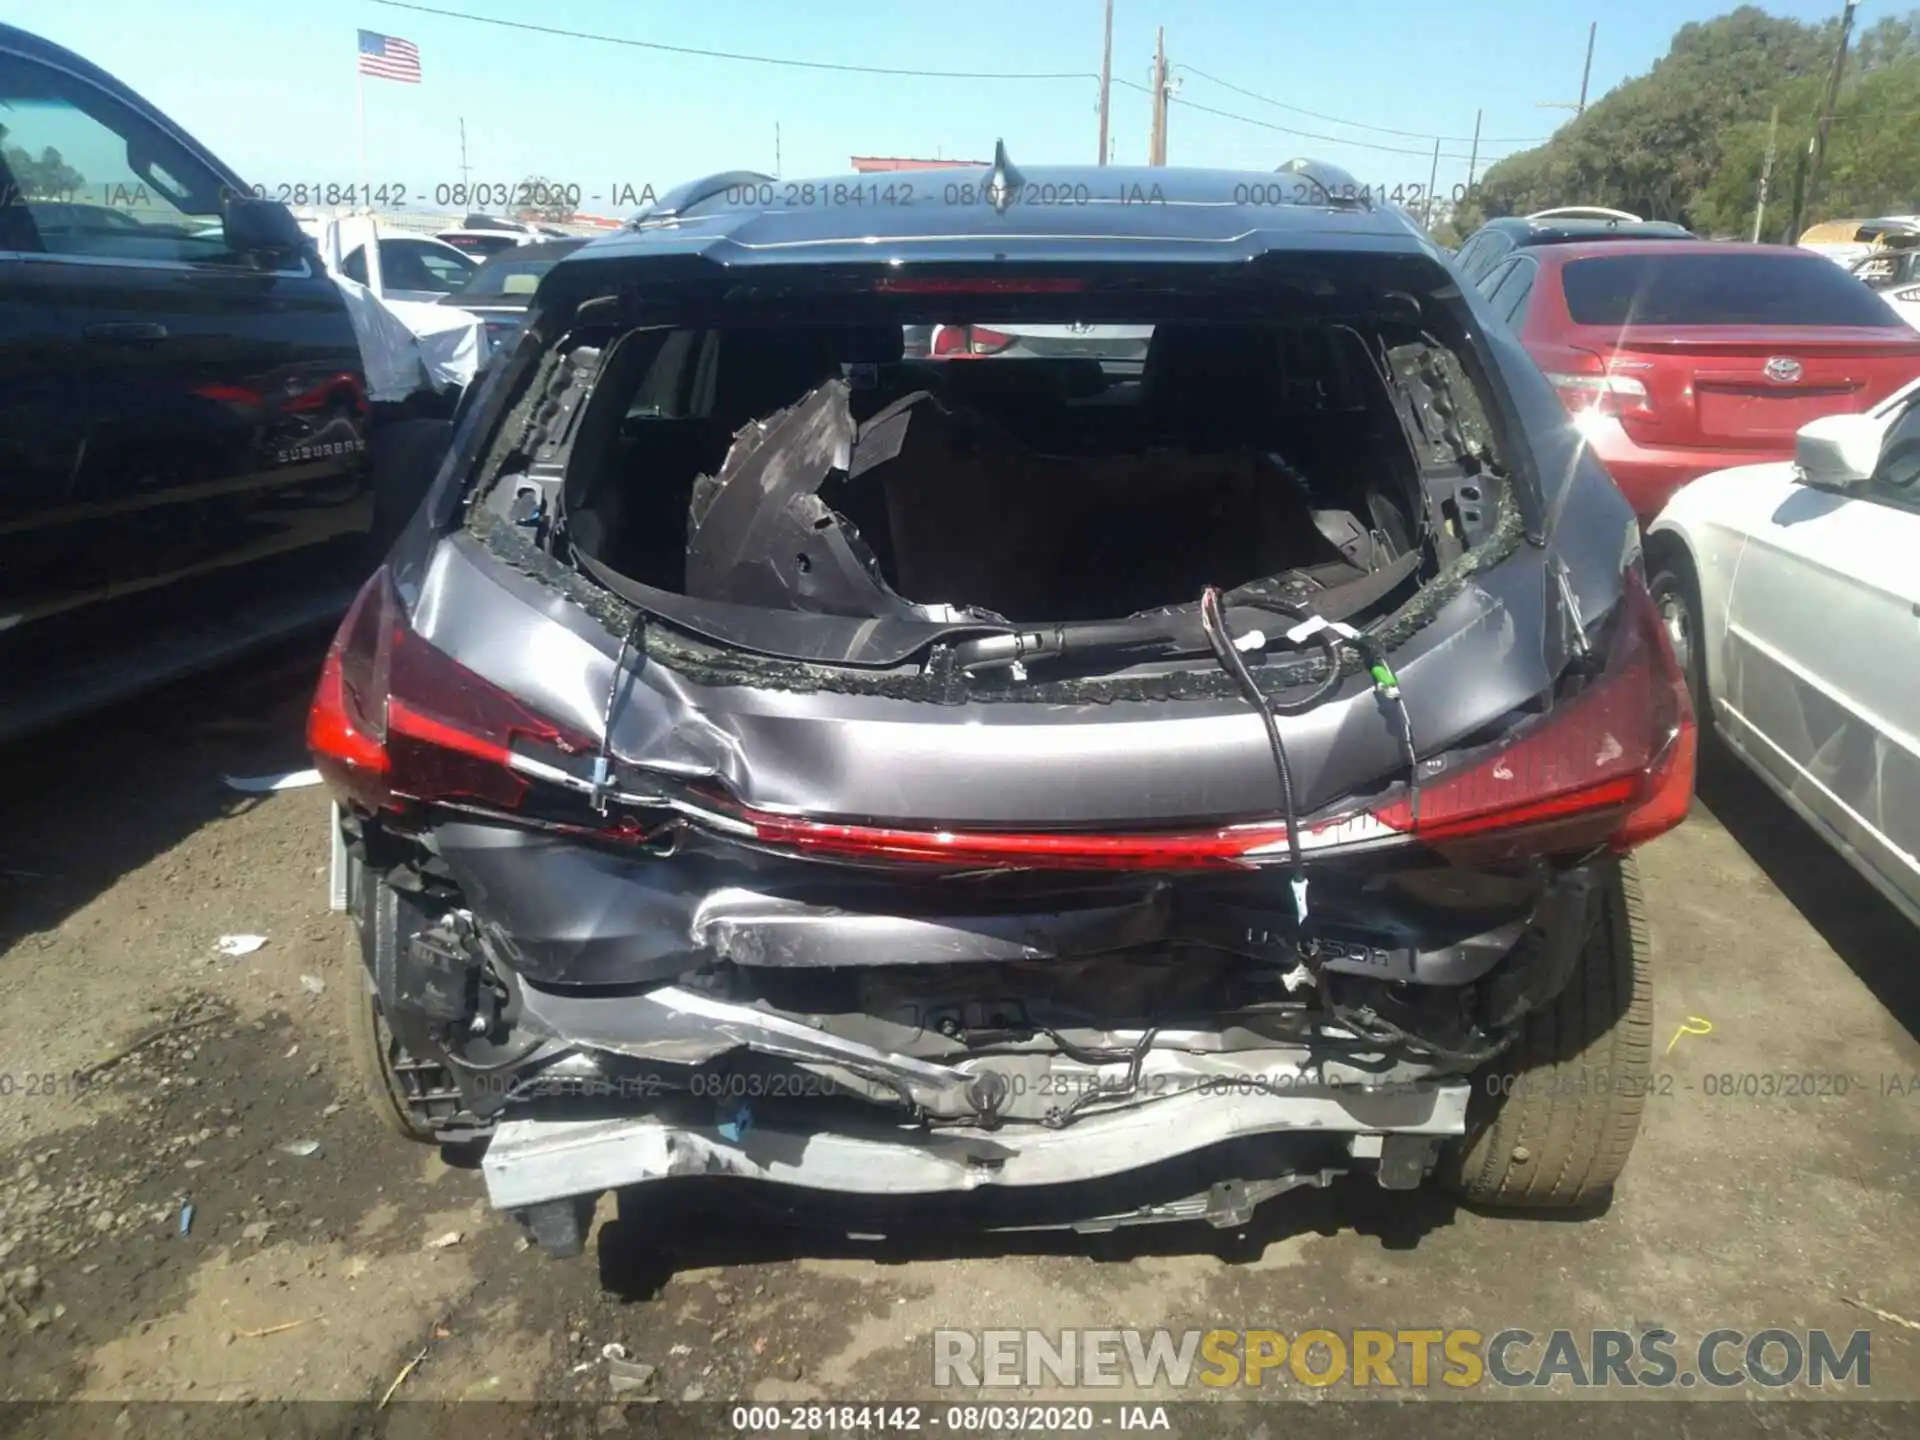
(1586, 212)
(1336, 184)
(683, 198)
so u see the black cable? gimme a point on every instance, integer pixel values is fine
(1378, 1030)
(1221, 639)
(1132, 1083)
(1385, 683)
(1388, 685)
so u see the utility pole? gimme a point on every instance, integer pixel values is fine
(1433, 176)
(1826, 111)
(1766, 174)
(1586, 74)
(463, 151)
(1106, 81)
(1157, 142)
(1586, 70)
(1473, 160)
(776, 149)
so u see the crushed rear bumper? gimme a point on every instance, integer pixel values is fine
(549, 1171)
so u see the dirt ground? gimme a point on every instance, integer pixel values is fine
(322, 1256)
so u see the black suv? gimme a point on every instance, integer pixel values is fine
(183, 417)
(1500, 237)
(769, 754)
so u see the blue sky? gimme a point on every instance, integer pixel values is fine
(271, 88)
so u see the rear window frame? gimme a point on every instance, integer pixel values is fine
(1848, 304)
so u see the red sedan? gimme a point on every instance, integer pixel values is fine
(1682, 357)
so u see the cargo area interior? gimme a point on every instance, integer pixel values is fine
(1021, 487)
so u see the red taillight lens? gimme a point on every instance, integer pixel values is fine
(1228, 847)
(347, 725)
(394, 718)
(1586, 383)
(1612, 765)
(983, 341)
(958, 342)
(948, 340)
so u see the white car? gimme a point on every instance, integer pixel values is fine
(482, 245)
(1895, 275)
(412, 267)
(1791, 592)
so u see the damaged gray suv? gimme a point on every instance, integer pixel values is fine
(1009, 785)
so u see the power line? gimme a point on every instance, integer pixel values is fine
(1358, 124)
(736, 55)
(1289, 130)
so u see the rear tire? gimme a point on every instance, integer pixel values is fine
(1550, 1123)
(1676, 595)
(416, 1100)
(371, 1046)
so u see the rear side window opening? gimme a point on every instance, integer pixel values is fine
(1719, 289)
(1033, 470)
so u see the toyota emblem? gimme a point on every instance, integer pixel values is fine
(1784, 369)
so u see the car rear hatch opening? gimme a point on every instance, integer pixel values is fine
(1088, 455)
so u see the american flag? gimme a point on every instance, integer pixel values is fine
(389, 57)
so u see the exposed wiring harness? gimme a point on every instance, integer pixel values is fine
(1385, 684)
(1379, 1030)
(1227, 651)
(1136, 1059)
(1329, 634)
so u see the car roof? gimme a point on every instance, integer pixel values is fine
(1525, 231)
(541, 250)
(1565, 254)
(1056, 213)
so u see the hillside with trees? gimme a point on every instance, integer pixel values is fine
(1687, 140)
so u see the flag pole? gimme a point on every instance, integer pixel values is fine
(360, 112)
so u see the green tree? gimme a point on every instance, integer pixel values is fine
(1687, 140)
(47, 178)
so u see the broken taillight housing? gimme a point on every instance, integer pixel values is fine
(394, 719)
(1612, 764)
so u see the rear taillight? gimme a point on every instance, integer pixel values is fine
(1612, 765)
(394, 719)
(956, 342)
(1227, 847)
(1586, 384)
